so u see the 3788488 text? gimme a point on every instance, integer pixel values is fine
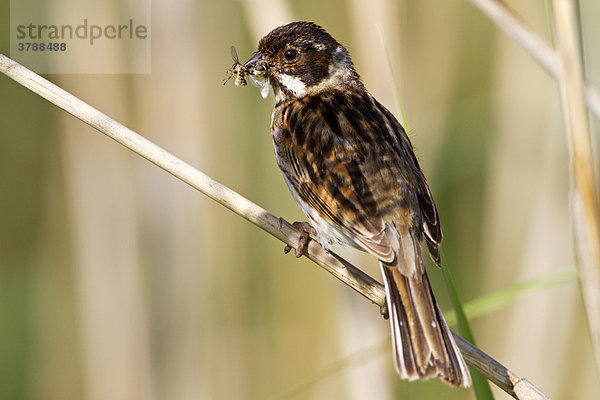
(33, 46)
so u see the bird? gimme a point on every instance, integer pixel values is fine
(352, 170)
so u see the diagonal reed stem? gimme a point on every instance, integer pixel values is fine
(516, 386)
(516, 28)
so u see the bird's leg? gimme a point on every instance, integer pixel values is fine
(307, 230)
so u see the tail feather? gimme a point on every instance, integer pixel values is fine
(423, 344)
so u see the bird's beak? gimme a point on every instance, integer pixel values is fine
(258, 65)
(257, 59)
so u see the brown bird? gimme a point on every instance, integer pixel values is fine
(351, 168)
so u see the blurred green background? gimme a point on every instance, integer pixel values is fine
(117, 281)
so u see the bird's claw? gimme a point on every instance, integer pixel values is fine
(306, 230)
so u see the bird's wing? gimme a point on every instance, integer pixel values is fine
(327, 170)
(430, 218)
(431, 222)
(349, 169)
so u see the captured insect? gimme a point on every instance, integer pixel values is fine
(258, 74)
(236, 69)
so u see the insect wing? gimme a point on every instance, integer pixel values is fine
(261, 83)
(234, 55)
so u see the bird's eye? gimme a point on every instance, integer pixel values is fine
(290, 55)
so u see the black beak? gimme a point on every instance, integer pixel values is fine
(257, 58)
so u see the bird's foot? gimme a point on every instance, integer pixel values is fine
(307, 230)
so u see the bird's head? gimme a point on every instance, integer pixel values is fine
(301, 59)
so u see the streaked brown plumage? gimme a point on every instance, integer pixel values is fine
(350, 166)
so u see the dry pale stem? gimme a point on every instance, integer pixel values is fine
(522, 33)
(584, 200)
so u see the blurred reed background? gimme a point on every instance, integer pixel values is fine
(118, 281)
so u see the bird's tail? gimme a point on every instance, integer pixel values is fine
(423, 344)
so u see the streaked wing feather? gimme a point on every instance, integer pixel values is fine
(431, 221)
(370, 232)
(354, 171)
(330, 177)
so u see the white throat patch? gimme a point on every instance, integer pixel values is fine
(293, 83)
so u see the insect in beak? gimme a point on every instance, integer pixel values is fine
(257, 69)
